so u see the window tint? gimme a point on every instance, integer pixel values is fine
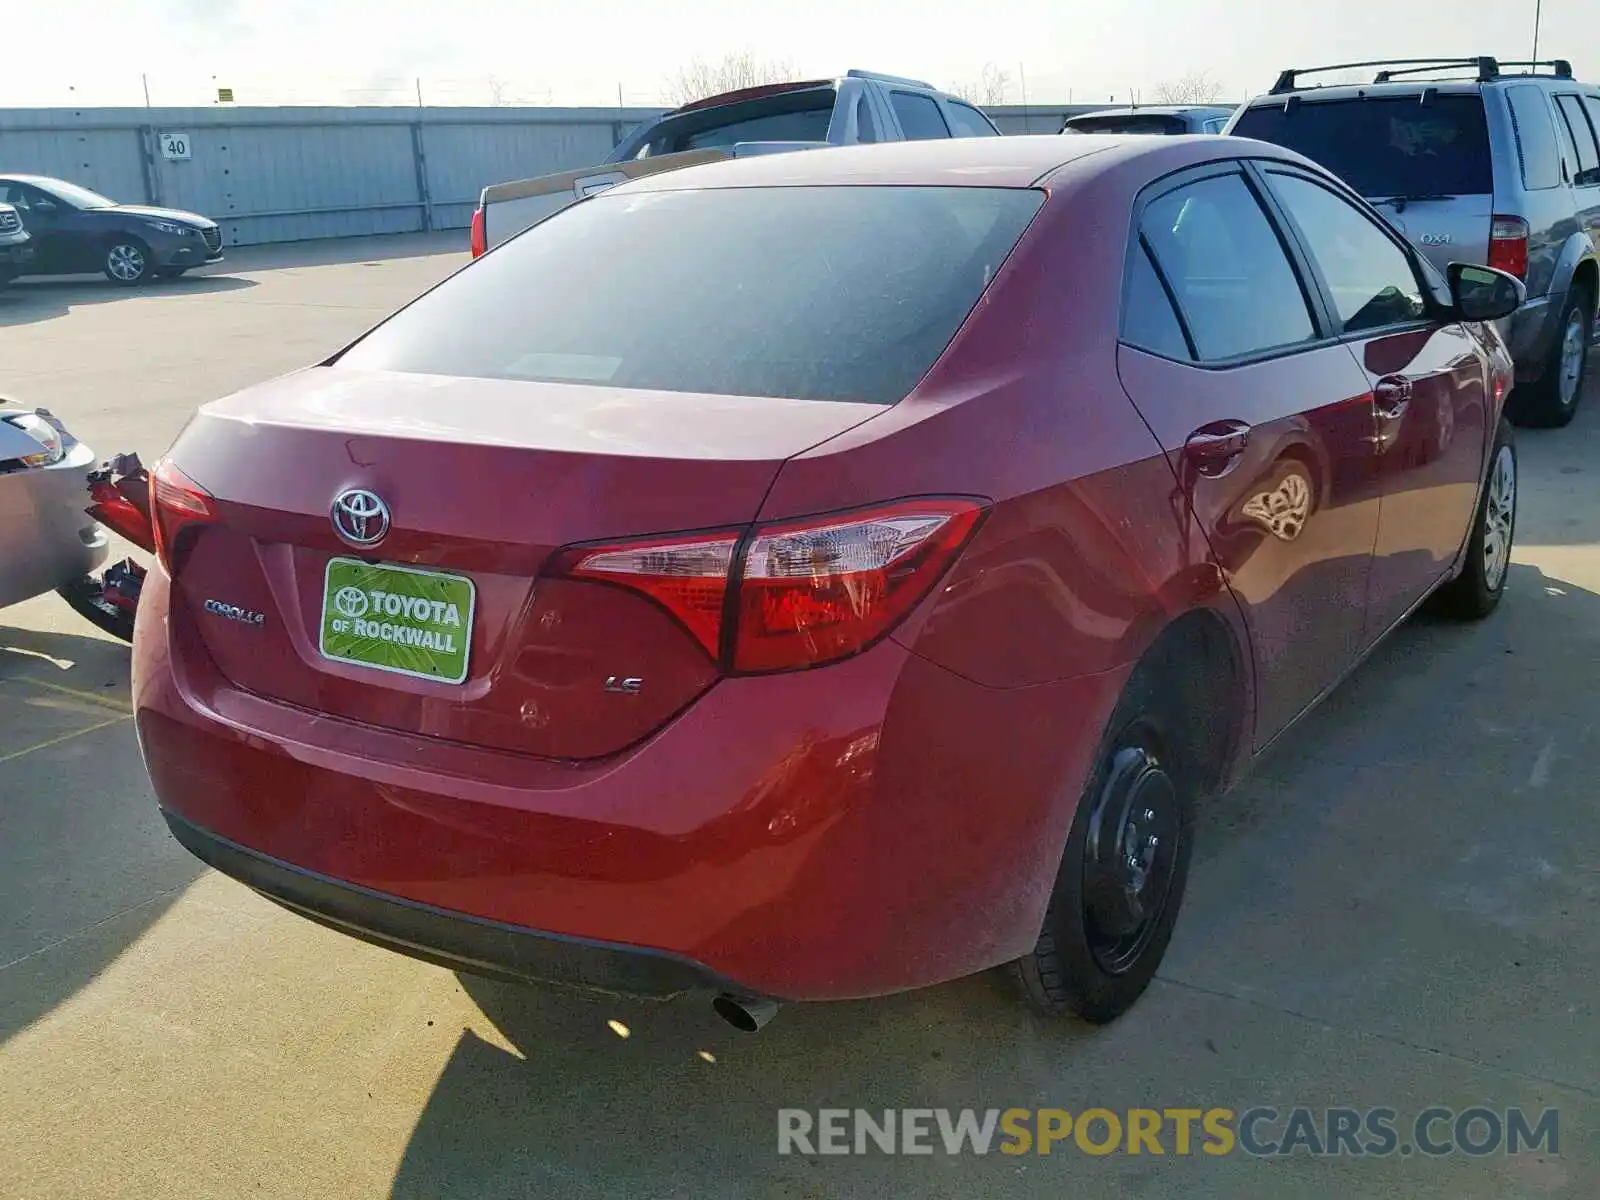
(820, 293)
(1371, 278)
(919, 116)
(1536, 137)
(966, 121)
(1591, 105)
(1216, 124)
(866, 127)
(1227, 268)
(1149, 321)
(1582, 138)
(1384, 147)
(779, 127)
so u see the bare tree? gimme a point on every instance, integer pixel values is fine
(737, 70)
(497, 91)
(989, 89)
(1197, 87)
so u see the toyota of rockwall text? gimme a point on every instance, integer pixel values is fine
(855, 582)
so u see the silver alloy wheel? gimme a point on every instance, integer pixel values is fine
(1499, 516)
(125, 261)
(1574, 347)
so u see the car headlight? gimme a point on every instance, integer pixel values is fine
(171, 227)
(52, 445)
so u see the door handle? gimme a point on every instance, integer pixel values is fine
(1214, 449)
(1391, 396)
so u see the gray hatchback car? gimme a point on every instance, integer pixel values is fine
(1477, 161)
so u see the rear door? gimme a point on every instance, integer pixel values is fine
(1429, 383)
(1266, 420)
(1422, 157)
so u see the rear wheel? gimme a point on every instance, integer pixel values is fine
(127, 262)
(1476, 592)
(1552, 401)
(1126, 863)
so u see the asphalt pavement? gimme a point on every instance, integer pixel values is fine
(1395, 911)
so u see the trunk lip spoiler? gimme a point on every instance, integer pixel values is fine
(569, 181)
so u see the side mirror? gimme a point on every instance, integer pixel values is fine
(1484, 293)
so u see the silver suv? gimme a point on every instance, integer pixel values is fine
(1478, 161)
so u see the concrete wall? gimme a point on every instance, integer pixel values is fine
(285, 174)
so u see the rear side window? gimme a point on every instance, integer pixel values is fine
(1536, 137)
(1149, 321)
(1386, 147)
(1371, 279)
(1227, 268)
(1583, 139)
(1216, 124)
(818, 293)
(966, 121)
(919, 116)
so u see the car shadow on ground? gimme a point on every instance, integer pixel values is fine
(43, 298)
(322, 252)
(86, 864)
(594, 1095)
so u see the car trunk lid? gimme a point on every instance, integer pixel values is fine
(483, 480)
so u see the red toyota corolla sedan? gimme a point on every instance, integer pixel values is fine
(821, 574)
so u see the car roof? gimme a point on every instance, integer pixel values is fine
(41, 180)
(1020, 160)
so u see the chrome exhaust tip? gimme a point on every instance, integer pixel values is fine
(745, 1013)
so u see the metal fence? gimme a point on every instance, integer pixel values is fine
(287, 174)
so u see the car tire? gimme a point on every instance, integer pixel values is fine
(1109, 921)
(127, 262)
(1476, 592)
(1551, 401)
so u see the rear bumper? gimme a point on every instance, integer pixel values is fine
(878, 825)
(449, 939)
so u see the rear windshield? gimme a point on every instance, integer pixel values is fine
(820, 293)
(799, 116)
(1128, 124)
(1386, 146)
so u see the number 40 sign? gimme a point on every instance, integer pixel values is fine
(175, 147)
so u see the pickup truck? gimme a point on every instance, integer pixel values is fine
(857, 107)
(16, 245)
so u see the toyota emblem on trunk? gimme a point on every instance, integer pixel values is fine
(360, 517)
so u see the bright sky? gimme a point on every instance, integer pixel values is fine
(537, 51)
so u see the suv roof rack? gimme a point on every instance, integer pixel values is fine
(1486, 68)
(880, 77)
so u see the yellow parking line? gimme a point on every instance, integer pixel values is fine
(90, 697)
(65, 737)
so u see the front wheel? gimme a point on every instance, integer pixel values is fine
(1123, 872)
(127, 262)
(1476, 592)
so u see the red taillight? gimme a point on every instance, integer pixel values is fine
(119, 514)
(687, 576)
(808, 592)
(1508, 245)
(480, 238)
(178, 502)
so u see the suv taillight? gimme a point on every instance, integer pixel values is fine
(1508, 245)
(480, 239)
(176, 503)
(803, 593)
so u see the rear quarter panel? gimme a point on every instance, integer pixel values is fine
(1088, 551)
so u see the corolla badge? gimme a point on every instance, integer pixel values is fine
(360, 517)
(234, 612)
